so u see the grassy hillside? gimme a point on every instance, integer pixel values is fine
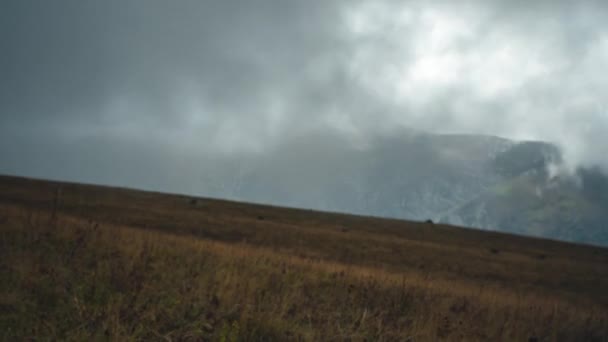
(82, 262)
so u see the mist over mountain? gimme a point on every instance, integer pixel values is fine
(304, 103)
(472, 180)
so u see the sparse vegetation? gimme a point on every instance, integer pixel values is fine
(116, 264)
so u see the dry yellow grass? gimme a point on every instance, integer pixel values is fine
(117, 264)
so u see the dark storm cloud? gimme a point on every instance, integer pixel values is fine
(96, 81)
(166, 65)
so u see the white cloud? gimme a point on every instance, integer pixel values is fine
(472, 69)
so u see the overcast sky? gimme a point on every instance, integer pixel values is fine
(106, 85)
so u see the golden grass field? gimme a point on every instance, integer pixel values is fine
(82, 262)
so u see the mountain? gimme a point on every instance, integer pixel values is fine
(573, 209)
(472, 180)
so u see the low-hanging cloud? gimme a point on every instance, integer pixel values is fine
(191, 79)
(505, 68)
